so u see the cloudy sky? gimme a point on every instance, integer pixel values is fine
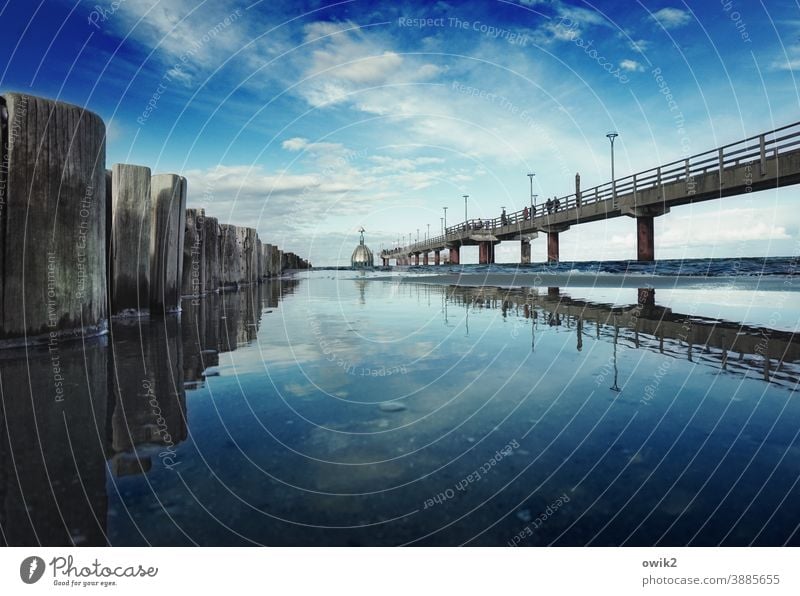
(308, 120)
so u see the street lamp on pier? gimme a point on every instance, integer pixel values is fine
(444, 225)
(465, 208)
(611, 136)
(533, 202)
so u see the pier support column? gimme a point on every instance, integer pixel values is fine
(454, 255)
(436, 257)
(552, 247)
(416, 260)
(525, 251)
(486, 253)
(385, 262)
(647, 297)
(424, 258)
(645, 245)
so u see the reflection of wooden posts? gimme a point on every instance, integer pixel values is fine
(52, 221)
(132, 239)
(53, 450)
(169, 213)
(194, 267)
(150, 398)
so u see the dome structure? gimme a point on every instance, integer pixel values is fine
(362, 256)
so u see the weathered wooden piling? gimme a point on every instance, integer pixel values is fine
(52, 221)
(260, 259)
(230, 256)
(250, 256)
(194, 268)
(211, 255)
(168, 193)
(132, 240)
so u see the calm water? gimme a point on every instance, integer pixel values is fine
(335, 409)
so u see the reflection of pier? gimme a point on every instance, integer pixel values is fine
(66, 411)
(773, 355)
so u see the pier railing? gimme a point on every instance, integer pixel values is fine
(754, 150)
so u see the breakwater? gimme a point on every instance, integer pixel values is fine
(80, 244)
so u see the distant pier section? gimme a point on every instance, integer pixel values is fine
(768, 160)
(80, 244)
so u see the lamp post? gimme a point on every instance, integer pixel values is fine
(465, 208)
(417, 234)
(444, 225)
(611, 136)
(441, 224)
(533, 203)
(428, 235)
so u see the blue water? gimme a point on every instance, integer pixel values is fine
(339, 409)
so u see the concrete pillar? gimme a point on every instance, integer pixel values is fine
(454, 255)
(251, 256)
(645, 244)
(52, 221)
(168, 192)
(437, 257)
(425, 258)
(194, 268)
(486, 252)
(416, 259)
(132, 240)
(211, 254)
(647, 297)
(552, 247)
(525, 251)
(385, 262)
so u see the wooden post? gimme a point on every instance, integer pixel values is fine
(211, 255)
(194, 267)
(132, 240)
(230, 256)
(52, 222)
(168, 192)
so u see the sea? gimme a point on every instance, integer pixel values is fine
(398, 407)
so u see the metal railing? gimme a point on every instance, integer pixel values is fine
(753, 150)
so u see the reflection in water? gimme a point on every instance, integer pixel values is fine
(726, 345)
(68, 409)
(351, 425)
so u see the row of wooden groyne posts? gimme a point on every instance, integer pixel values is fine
(80, 244)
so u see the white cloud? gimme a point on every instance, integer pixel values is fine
(295, 144)
(672, 18)
(640, 45)
(631, 65)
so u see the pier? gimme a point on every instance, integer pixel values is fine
(80, 244)
(768, 160)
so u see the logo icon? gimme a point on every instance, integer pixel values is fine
(31, 569)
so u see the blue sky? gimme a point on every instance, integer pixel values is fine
(308, 120)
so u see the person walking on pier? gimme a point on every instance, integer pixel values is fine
(503, 217)
(557, 204)
(549, 205)
(525, 213)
